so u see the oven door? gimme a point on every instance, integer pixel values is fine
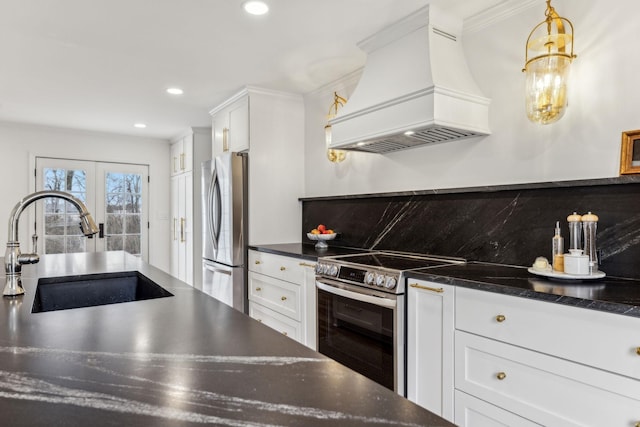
(363, 330)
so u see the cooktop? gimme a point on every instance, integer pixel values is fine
(394, 261)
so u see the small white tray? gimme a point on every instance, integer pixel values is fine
(565, 276)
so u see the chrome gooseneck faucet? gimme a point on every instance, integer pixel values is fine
(13, 259)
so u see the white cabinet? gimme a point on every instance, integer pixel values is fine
(182, 154)
(270, 126)
(473, 412)
(282, 295)
(188, 151)
(430, 346)
(230, 127)
(551, 364)
(182, 227)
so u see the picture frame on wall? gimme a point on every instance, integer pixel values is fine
(630, 153)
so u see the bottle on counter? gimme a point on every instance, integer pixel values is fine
(589, 226)
(557, 251)
(575, 231)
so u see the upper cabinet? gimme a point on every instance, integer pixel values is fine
(230, 126)
(269, 126)
(182, 155)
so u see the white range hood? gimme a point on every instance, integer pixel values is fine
(415, 89)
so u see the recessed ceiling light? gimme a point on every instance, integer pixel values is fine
(140, 125)
(255, 7)
(175, 91)
(409, 133)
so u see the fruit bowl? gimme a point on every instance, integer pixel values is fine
(321, 238)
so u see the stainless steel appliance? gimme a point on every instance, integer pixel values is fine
(361, 311)
(224, 216)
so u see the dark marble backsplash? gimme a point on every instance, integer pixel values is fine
(507, 225)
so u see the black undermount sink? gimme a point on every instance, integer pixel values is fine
(62, 293)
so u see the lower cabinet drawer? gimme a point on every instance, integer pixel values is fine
(472, 412)
(278, 266)
(603, 340)
(277, 321)
(544, 389)
(278, 295)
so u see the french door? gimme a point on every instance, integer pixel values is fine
(116, 194)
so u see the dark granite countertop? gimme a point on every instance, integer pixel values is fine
(176, 361)
(304, 250)
(614, 295)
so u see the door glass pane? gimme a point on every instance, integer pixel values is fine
(61, 217)
(123, 196)
(114, 243)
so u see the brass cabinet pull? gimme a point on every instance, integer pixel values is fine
(638, 424)
(175, 228)
(501, 376)
(259, 320)
(283, 268)
(638, 353)
(175, 165)
(304, 264)
(182, 161)
(258, 289)
(183, 222)
(258, 262)
(426, 288)
(285, 333)
(225, 139)
(283, 298)
(500, 318)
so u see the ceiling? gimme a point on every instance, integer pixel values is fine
(104, 65)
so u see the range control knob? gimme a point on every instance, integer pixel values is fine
(318, 268)
(390, 283)
(380, 280)
(333, 270)
(370, 278)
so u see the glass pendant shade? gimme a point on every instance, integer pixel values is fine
(546, 88)
(548, 57)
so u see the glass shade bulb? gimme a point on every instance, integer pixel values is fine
(327, 135)
(546, 88)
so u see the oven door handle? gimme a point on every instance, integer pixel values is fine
(381, 302)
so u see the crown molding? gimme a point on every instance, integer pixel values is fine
(501, 11)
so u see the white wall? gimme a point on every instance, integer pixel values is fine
(585, 143)
(20, 144)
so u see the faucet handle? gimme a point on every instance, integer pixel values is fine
(28, 258)
(34, 239)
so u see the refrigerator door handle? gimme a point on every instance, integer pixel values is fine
(217, 224)
(212, 210)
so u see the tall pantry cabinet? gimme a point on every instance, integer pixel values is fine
(188, 151)
(269, 125)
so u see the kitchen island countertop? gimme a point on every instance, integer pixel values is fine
(176, 361)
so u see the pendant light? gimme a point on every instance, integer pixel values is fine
(548, 56)
(334, 156)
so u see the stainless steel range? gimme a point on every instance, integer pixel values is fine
(361, 311)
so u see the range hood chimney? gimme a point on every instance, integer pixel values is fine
(415, 89)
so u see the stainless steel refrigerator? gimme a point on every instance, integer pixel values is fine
(224, 216)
